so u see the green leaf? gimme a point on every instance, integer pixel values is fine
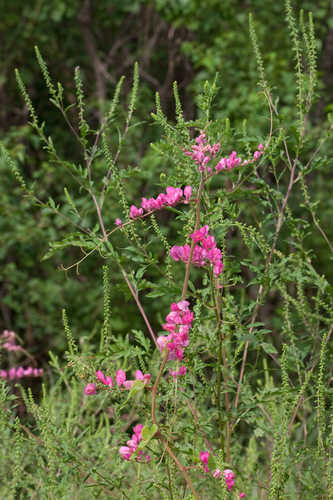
(137, 386)
(155, 293)
(269, 348)
(148, 432)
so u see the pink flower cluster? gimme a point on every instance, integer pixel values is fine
(258, 153)
(170, 198)
(206, 252)
(229, 162)
(202, 153)
(178, 323)
(132, 445)
(177, 373)
(9, 343)
(90, 388)
(21, 372)
(204, 456)
(229, 475)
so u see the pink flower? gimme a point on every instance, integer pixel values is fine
(201, 255)
(181, 371)
(200, 234)
(162, 340)
(173, 317)
(144, 377)
(180, 253)
(201, 152)
(120, 377)
(125, 452)
(204, 456)
(128, 384)
(182, 305)
(187, 193)
(132, 445)
(173, 195)
(90, 389)
(229, 476)
(242, 495)
(100, 376)
(105, 380)
(135, 212)
(20, 372)
(145, 204)
(176, 352)
(10, 345)
(179, 321)
(257, 154)
(216, 148)
(138, 430)
(217, 473)
(139, 375)
(119, 222)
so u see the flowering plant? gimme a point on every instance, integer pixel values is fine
(222, 384)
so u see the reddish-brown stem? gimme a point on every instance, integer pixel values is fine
(134, 294)
(99, 215)
(138, 303)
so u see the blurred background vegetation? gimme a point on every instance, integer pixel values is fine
(183, 40)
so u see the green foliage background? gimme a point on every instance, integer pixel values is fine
(171, 40)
